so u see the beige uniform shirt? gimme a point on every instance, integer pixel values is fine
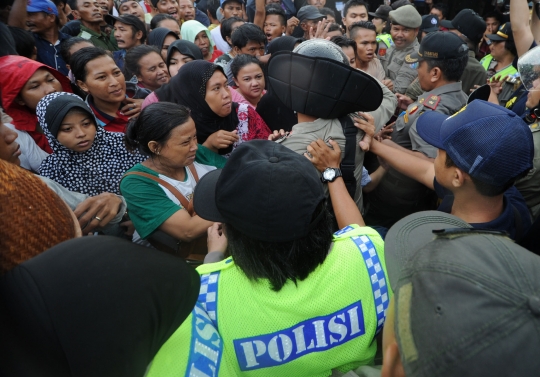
(529, 186)
(397, 70)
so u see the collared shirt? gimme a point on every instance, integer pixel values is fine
(49, 54)
(98, 39)
(398, 70)
(109, 123)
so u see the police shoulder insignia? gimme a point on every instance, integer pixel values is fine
(510, 103)
(432, 102)
(421, 100)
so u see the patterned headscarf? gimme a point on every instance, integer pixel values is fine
(93, 172)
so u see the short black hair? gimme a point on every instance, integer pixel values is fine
(154, 123)
(154, 24)
(354, 3)
(280, 262)
(66, 45)
(73, 4)
(494, 14)
(335, 27)
(327, 12)
(80, 59)
(272, 9)
(240, 61)
(212, 6)
(452, 69)
(226, 27)
(133, 56)
(353, 29)
(135, 25)
(25, 44)
(443, 8)
(343, 41)
(246, 33)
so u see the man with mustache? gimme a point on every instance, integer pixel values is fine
(42, 21)
(129, 32)
(406, 22)
(89, 13)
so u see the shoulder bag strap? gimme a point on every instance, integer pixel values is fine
(347, 164)
(165, 184)
(194, 172)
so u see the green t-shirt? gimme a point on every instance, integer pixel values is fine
(99, 40)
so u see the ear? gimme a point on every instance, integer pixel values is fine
(82, 85)
(237, 50)
(458, 177)
(392, 366)
(283, 29)
(436, 74)
(220, 10)
(154, 147)
(139, 34)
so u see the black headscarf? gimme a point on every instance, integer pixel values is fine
(285, 43)
(185, 48)
(158, 35)
(188, 88)
(92, 306)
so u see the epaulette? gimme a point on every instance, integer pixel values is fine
(432, 102)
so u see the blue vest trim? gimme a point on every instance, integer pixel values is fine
(377, 277)
(208, 295)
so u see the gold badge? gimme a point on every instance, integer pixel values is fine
(413, 110)
(406, 117)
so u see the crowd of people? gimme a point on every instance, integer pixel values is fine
(269, 188)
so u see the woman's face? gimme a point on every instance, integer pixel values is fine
(177, 61)
(104, 80)
(77, 131)
(497, 49)
(218, 94)
(250, 82)
(153, 71)
(38, 86)
(180, 149)
(9, 148)
(169, 39)
(202, 41)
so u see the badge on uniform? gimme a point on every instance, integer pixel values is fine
(382, 52)
(432, 102)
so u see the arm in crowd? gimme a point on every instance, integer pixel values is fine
(345, 209)
(405, 161)
(535, 25)
(182, 226)
(17, 15)
(387, 108)
(260, 13)
(519, 17)
(404, 77)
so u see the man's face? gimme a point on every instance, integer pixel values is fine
(436, 12)
(273, 27)
(252, 48)
(533, 97)
(39, 22)
(232, 9)
(133, 8)
(104, 5)
(168, 7)
(366, 44)
(317, 3)
(89, 11)
(492, 25)
(9, 148)
(355, 14)
(424, 76)
(379, 24)
(497, 49)
(403, 36)
(125, 37)
(308, 24)
(172, 25)
(187, 10)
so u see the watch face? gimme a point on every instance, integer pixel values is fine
(329, 174)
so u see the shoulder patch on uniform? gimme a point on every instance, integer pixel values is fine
(510, 102)
(85, 35)
(421, 100)
(432, 102)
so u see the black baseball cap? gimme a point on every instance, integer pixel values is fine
(439, 45)
(309, 12)
(468, 23)
(127, 19)
(382, 12)
(266, 191)
(503, 34)
(430, 23)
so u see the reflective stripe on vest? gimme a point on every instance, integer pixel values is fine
(386, 39)
(208, 295)
(510, 70)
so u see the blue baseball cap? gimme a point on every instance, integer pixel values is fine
(46, 6)
(487, 141)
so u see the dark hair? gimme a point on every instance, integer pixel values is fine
(282, 261)
(272, 9)
(361, 25)
(25, 44)
(354, 3)
(81, 58)
(334, 27)
(154, 123)
(212, 6)
(343, 41)
(483, 188)
(494, 14)
(452, 69)
(510, 45)
(245, 33)
(443, 8)
(134, 55)
(327, 12)
(135, 24)
(226, 27)
(73, 4)
(66, 45)
(241, 61)
(160, 17)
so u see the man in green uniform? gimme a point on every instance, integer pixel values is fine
(89, 13)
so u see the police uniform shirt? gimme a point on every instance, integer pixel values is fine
(446, 99)
(397, 70)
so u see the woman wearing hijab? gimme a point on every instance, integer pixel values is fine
(270, 108)
(181, 52)
(221, 124)
(85, 158)
(162, 38)
(23, 83)
(92, 306)
(197, 33)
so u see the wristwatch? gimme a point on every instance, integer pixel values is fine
(330, 175)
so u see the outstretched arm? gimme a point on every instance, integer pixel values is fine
(260, 14)
(519, 17)
(17, 15)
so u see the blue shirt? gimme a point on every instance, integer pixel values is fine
(49, 54)
(513, 205)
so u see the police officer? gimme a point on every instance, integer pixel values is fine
(440, 62)
(406, 22)
(384, 39)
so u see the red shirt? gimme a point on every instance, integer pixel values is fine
(109, 123)
(215, 55)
